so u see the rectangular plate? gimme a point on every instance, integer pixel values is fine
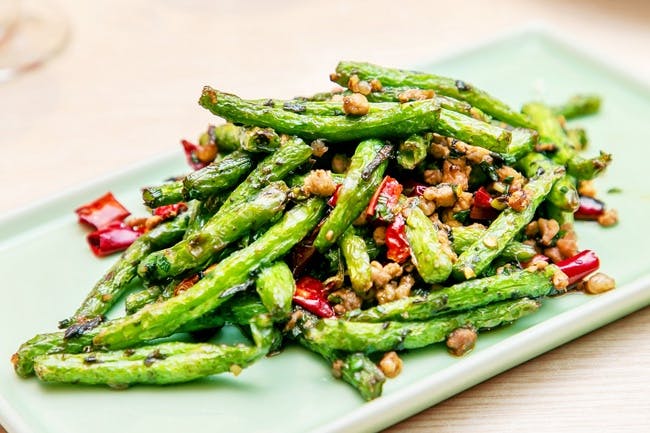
(46, 270)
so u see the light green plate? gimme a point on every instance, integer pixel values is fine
(46, 269)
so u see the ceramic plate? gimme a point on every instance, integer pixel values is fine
(46, 270)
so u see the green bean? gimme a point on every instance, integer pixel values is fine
(164, 194)
(578, 138)
(399, 94)
(357, 260)
(275, 286)
(384, 336)
(380, 101)
(158, 364)
(464, 236)
(354, 194)
(428, 255)
(225, 137)
(412, 151)
(472, 131)
(235, 311)
(578, 106)
(229, 138)
(136, 300)
(457, 89)
(217, 177)
(225, 227)
(451, 123)
(401, 121)
(523, 142)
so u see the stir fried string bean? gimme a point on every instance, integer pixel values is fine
(404, 210)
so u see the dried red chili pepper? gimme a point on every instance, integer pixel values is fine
(335, 197)
(483, 213)
(310, 294)
(579, 266)
(170, 211)
(590, 209)
(102, 212)
(115, 237)
(384, 202)
(398, 248)
(482, 198)
(482, 206)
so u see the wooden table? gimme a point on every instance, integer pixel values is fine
(125, 89)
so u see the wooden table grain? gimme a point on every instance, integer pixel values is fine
(125, 90)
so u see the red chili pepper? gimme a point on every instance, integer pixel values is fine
(398, 248)
(170, 211)
(310, 294)
(101, 212)
(413, 188)
(590, 208)
(385, 200)
(482, 207)
(482, 198)
(115, 237)
(483, 213)
(335, 197)
(191, 155)
(579, 266)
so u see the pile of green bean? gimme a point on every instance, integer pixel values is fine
(316, 212)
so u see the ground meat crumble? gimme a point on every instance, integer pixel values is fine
(391, 365)
(461, 341)
(320, 183)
